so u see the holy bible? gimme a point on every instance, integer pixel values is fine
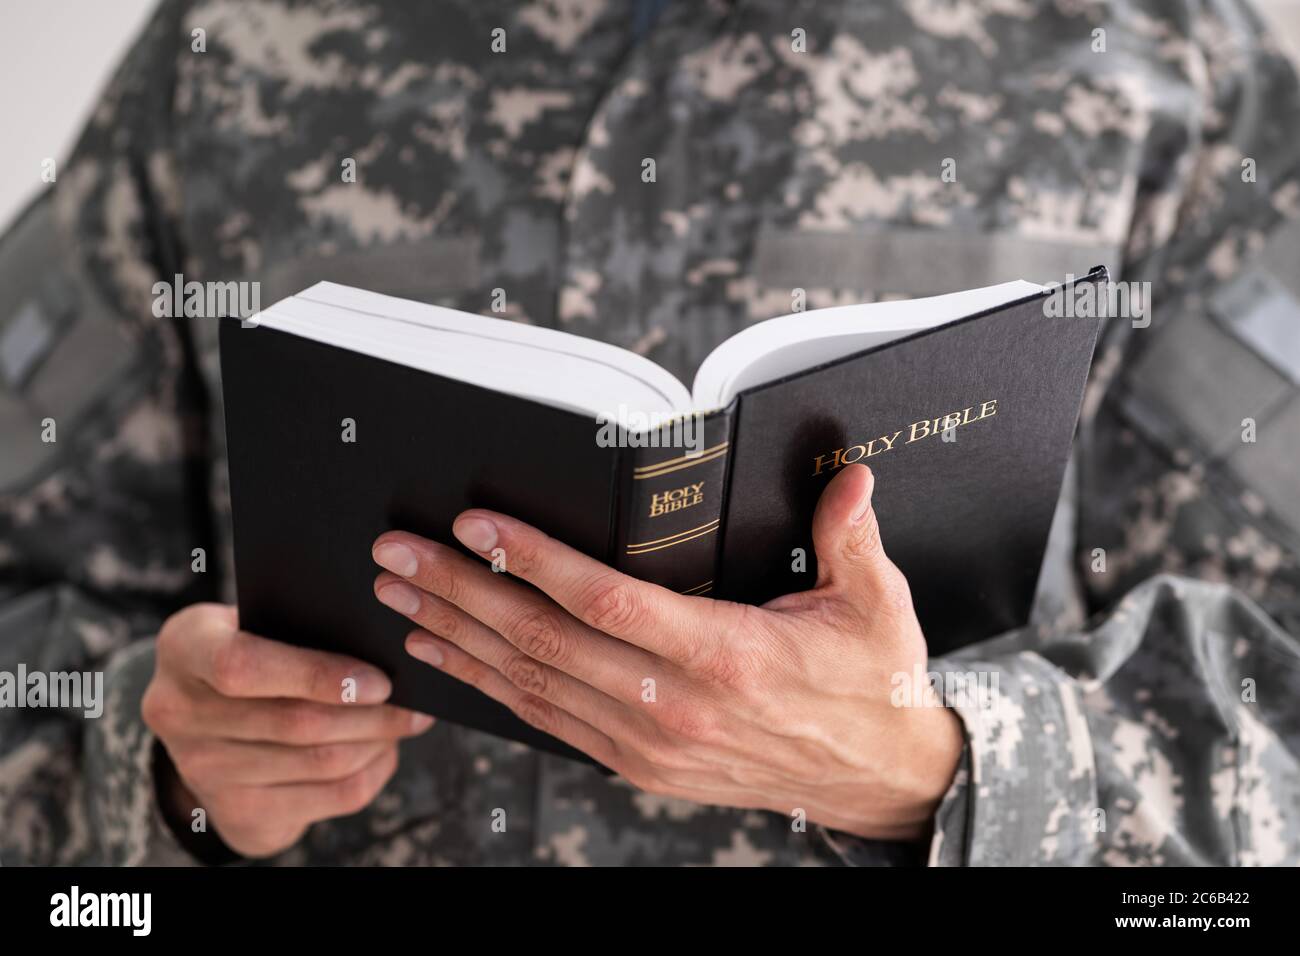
(349, 413)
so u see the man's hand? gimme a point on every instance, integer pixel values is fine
(784, 707)
(268, 738)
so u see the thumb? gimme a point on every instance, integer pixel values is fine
(846, 537)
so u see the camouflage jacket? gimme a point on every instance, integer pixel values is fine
(1147, 715)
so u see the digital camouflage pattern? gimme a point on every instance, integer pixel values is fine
(1166, 732)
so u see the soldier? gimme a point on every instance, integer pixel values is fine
(659, 176)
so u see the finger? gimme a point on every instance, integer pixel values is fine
(850, 557)
(210, 763)
(536, 633)
(311, 802)
(528, 707)
(243, 665)
(653, 618)
(299, 722)
(615, 718)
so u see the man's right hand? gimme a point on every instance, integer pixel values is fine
(261, 733)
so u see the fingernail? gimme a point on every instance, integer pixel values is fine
(421, 722)
(865, 504)
(477, 534)
(397, 558)
(373, 686)
(425, 649)
(401, 597)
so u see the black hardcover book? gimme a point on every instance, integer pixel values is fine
(350, 413)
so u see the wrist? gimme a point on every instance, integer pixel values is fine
(928, 749)
(936, 743)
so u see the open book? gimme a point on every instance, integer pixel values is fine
(591, 377)
(349, 413)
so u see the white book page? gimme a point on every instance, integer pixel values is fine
(793, 343)
(594, 378)
(545, 365)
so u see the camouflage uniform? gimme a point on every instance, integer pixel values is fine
(776, 167)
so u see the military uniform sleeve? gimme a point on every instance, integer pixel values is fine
(103, 520)
(1167, 732)
(1166, 735)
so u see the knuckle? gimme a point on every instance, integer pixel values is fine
(177, 624)
(536, 632)
(329, 759)
(720, 666)
(441, 619)
(473, 672)
(169, 636)
(300, 723)
(866, 544)
(536, 713)
(526, 674)
(160, 709)
(523, 555)
(232, 665)
(321, 678)
(689, 722)
(440, 576)
(610, 605)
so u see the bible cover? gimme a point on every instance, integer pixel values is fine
(967, 426)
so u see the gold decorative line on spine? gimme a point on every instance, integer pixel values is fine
(676, 464)
(672, 544)
(679, 534)
(689, 464)
(704, 588)
(673, 461)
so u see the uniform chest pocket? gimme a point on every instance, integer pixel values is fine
(911, 262)
(64, 357)
(1222, 383)
(427, 270)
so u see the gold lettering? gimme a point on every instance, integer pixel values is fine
(835, 460)
(924, 428)
(675, 499)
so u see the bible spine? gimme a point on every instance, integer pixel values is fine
(671, 504)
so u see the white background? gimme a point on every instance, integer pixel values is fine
(56, 54)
